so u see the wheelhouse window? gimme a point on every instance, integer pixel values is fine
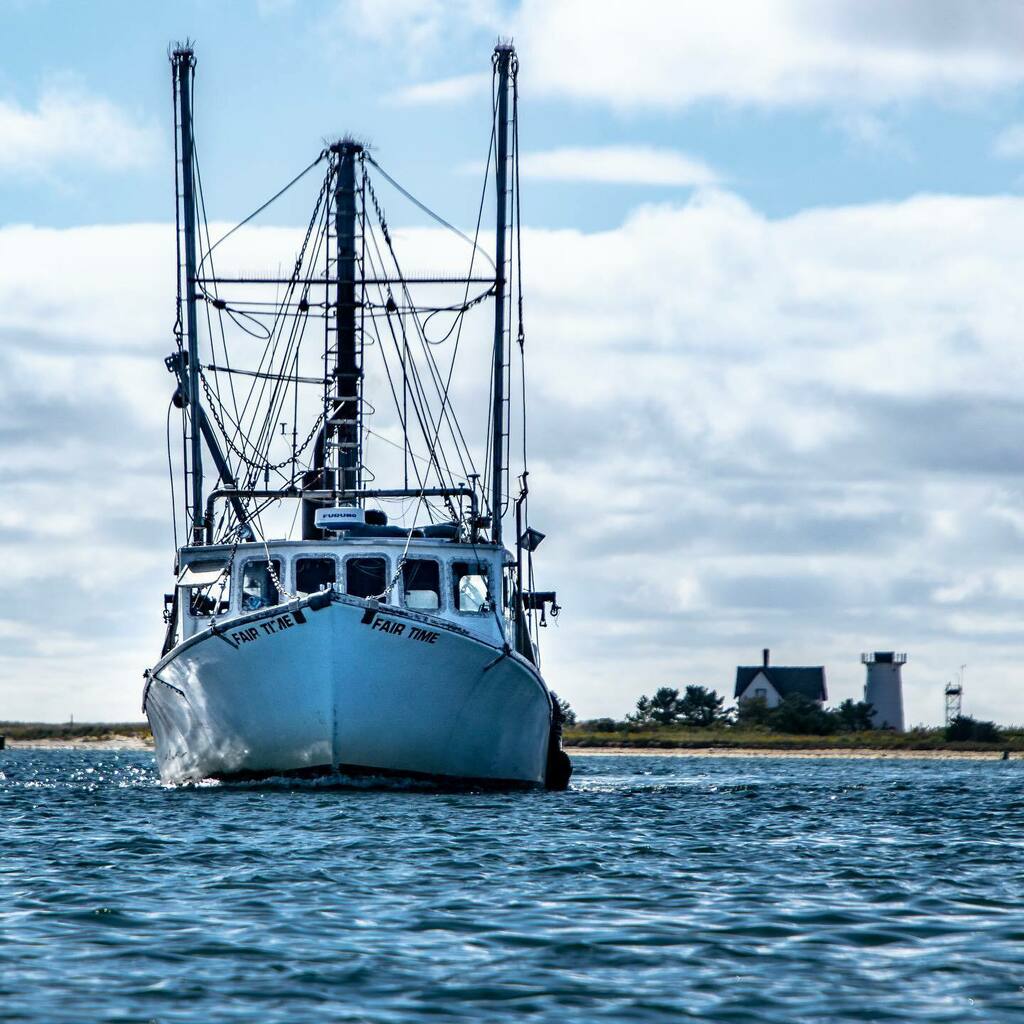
(469, 585)
(366, 576)
(258, 588)
(207, 586)
(203, 601)
(315, 574)
(421, 582)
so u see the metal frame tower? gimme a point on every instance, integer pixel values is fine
(954, 694)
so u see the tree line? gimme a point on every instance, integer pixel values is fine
(699, 707)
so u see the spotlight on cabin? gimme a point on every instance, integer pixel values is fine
(531, 539)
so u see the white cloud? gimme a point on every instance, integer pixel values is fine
(68, 126)
(796, 433)
(673, 53)
(620, 165)
(413, 29)
(445, 90)
(1009, 143)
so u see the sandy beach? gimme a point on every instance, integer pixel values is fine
(852, 754)
(84, 743)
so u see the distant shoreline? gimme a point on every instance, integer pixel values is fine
(104, 742)
(832, 753)
(81, 735)
(751, 742)
(927, 744)
(113, 742)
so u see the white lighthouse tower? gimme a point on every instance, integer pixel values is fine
(883, 688)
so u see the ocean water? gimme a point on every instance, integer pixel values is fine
(657, 888)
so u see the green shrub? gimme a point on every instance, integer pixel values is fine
(698, 707)
(964, 727)
(853, 716)
(801, 716)
(600, 725)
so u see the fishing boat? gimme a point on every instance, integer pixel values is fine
(320, 620)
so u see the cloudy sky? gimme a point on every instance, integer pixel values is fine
(774, 254)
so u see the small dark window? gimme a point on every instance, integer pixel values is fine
(367, 577)
(421, 580)
(469, 584)
(258, 589)
(207, 587)
(315, 574)
(204, 601)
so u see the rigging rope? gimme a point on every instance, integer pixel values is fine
(248, 442)
(426, 209)
(249, 433)
(255, 213)
(170, 473)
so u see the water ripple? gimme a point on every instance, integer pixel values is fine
(723, 890)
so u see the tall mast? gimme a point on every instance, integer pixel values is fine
(183, 61)
(344, 418)
(504, 57)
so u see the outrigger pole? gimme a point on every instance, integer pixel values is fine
(185, 364)
(183, 60)
(504, 57)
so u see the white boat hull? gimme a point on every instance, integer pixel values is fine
(347, 685)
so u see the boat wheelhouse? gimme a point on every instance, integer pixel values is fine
(435, 578)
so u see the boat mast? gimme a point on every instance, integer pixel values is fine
(183, 61)
(347, 399)
(504, 58)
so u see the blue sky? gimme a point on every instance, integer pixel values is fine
(773, 263)
(275, 78)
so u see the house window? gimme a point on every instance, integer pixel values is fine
(315, 574)
(469, 584)
(258, 587)
(366, 577)
(421, 581)
(761, 692)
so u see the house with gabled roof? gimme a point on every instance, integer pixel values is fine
(773, 683)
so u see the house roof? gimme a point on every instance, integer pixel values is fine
(807, 681)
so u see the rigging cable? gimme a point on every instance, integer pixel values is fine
(521, 332)
(426, 209)
(255, 213)
(170, 473)
(446, 413)
(258, 462)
